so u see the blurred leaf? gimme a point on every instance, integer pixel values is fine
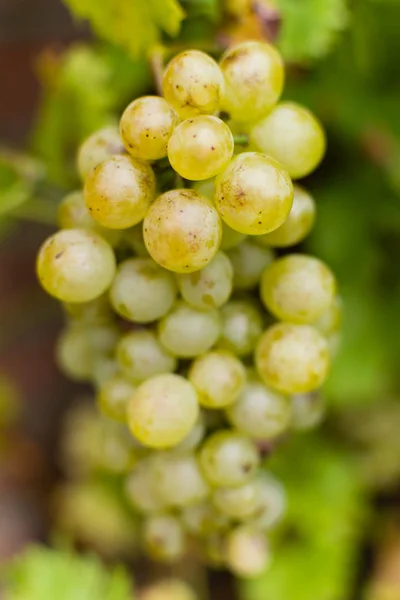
(136, 25)
(44, 574)
(210, 9)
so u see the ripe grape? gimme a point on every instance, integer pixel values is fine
(142, 291)
(95, 312)
(249, 261)
(292, 359)
(99, 146)
(298, 224)
(182, 231)
(113, 398)
(254, 194)
(238, 502)
(242, 326)
(247, 551)
(293, 136)
(200, 148)
(297, 288)
(193, 84)
(194, 437)
(168, 589)
(307, 410)
(164, 537)
(146, 126)
(203, 519)
(218, 377)
(210, 287)
(331, 319)
(271, 502)
(254, 77)
(163, 410)
(228, 458)
(75, 265)
(178, 479)
(140, 487)
(118, 192)
(140, 356)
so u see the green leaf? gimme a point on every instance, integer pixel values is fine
(210, 9)
(44, 574)
(310, 27)
(136, 25)
(19, 176)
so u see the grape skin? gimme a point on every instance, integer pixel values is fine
(200, 148)
(168, 589)
(292, 359)
(140, 356)
(113, 398)
(163, 410)
(75, 265)
(182, 231)
(247, 551)
(237, 502)
(99, 146)
(164, 537)
(178, 479)
(254, 194)
(242, 326)
(146, 126)
(254, 77)
(118, 192)
(193, 84)
(140, 488)
(293, 136)
(249, 261)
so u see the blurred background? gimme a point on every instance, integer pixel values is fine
(60, 82)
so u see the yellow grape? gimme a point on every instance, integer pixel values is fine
(99, 146)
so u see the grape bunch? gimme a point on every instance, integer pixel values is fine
(204, 337)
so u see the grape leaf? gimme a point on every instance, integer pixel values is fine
(310, 27)
(136, 25)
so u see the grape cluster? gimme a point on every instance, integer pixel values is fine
(205, 342)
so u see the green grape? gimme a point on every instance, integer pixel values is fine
(113, 397)
(271, 503)
(259, 411)
(140, 356)
(330, 321)
(293, 136)
(168, 589)
(178, 479)
(117, 453)
(297, 288)
(254, 194)
(229, 458)
(254, 77)
(200, 148)
(146, 126)
(99, 146)
(140, 488)
(75, 265)
(292, 359)
(218, 377)
(194, 437)
(95, 312)
(247, 552)
(163, 411)
(187, 332)
(249, 262)
(133, 237)
(73, 214)
(104, 368)
(142, 291)
(203, 519)
(193, 84)
(242, 326)
(298, 224)
(307, 410)
(237, 502)
(210, 287)
(118, 192)
(164, 537)
(182, 231)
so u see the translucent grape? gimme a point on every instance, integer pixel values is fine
(259, 411)
(210, 287)
(292, 359)
(74, 214)
(330, 321)
(254, 194)
(182, 231)
(193, 84)
(187, 332)
(307, 410)
(238, 502)
(293, 136)
(249, 261)
(99, 146)
(163, 410)
(142, 291)
(118, 192)
(218, 377)
(146, 126)
(271, 502)
(168, 589)
(254, 77)
(200, 148)
(228, 459)
(75, 265)
(114, 396)
(247, 552)
(203, 519)
(178, 479)
(104, 368)
(164, 537)
(140, 356)
(140, 488)
(297, 288)
(117, 452)
(242, 326)
(298, 224)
